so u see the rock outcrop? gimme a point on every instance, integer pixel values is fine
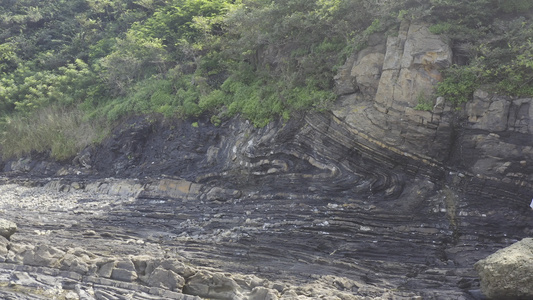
(409, 71)
(372, 200)
(486, 138)
(508, 273)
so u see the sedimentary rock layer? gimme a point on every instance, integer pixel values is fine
(373, 199)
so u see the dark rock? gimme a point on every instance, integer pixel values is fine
(83, 159)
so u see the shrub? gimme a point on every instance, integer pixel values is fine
(423, 102)
(459, 84)
(515, 5)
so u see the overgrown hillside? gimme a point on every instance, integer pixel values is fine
(69, 69)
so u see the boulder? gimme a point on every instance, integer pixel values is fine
(124, 271)
(262, 293)
(106, 268)
(43, 256)
(212, 285)
(508, 273)
(7, 228)
(123, 275)
(83, 159)
(166, 279)
(73, 263)
(16, 252)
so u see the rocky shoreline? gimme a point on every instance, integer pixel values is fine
(167, 239)
(372, 200)
(85, 244)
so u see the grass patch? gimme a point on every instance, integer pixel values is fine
(60, 131)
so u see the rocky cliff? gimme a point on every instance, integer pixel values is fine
(489, 137)
(373, 199)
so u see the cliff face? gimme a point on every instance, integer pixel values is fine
(488, 138)
(372, 197)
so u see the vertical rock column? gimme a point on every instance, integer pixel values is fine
(411, 68)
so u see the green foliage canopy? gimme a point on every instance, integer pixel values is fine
(262, 59)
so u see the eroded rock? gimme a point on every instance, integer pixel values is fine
(508, 273)
(212, 285)
(124, 270)
(7, 228)
(3, 248)
(43, 255)
(262, 293)
(166, 279)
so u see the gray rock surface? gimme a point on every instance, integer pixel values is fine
(3, 248)
(508, 273)
(487, 137)
(167, 279)
(7, 228)
(212, 285)
(42, 255)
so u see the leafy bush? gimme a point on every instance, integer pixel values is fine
(423, 102)
(459, 84)
(499, 48)
(25, 89)
(514, 5)
(261, 59)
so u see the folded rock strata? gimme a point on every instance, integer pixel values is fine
(374, 199)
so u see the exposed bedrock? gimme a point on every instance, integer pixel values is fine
(489, 137)
(373, 199)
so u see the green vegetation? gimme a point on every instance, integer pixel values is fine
(62, 131)
(424, 102)
(86, 62)
(494, 38)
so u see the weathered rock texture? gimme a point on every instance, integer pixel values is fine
(489, 137)
(508, 273)
(373, 200)
(7, 228)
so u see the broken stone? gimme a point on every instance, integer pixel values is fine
(212, 285)
(7, 228)
(43, 255)
(166, 279)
